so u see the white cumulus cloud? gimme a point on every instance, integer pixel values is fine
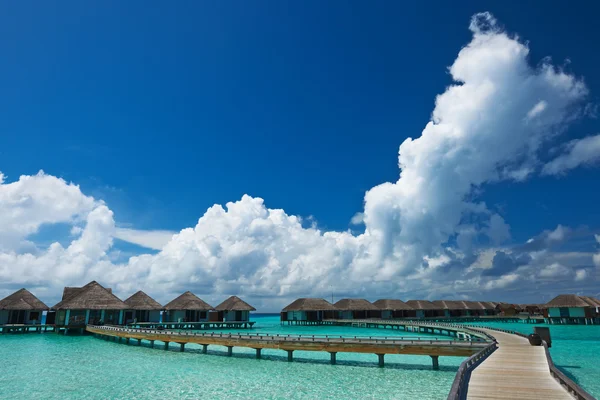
(487, 126)
(578, 152)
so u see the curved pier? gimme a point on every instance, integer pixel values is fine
(290, 343)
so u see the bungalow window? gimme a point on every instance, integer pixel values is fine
(564, 312)
(34, 315)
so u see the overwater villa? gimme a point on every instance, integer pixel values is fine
(425, 308)
(452, 308)
(531, 309)
(21, 307)
(142, 308)
(90, 304)
(356, 309)
(392, 308)
(233, 309)
(507, 309)
(308, 311)
(187, 308)
(572, 309)
(474, 308)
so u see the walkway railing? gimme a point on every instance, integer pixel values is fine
(573, 388)
(576, 391)
(399, 340)
(461, 380)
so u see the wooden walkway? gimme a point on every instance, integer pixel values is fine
(194, 325)
(331, 344)
(516, 370)
(444, 329)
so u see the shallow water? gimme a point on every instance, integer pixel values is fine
(52, 366)
(575, 350)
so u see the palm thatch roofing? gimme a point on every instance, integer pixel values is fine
(507, 306)
(188, 301)
(92, 296)
(391, 305)
(569, 301)
(310, 304)
(355, 305)
(70, 291)
(450, 304)
(488, 305)
(474, 305)
(422, 305)
(22, 299)
(591, 300)
(234, 303)
(141, 301)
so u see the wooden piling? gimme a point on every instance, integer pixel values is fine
(381, 360)
(435, 362)
(333, 356)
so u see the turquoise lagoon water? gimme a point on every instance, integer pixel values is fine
(575, 350)
(52, 366)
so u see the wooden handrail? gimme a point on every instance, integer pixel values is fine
(577, 391)
(458, 391)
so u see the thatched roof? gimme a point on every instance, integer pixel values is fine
(141, 301)
(570, 300)
(391, 305)
(507, 306)
(474, 305)
(355, 305)
(310, 304)
(450, 304)
(488, 305)
(92, 296)
(591, 300)
(234, 303)
(188, 301)
(22, 299)
(422, 305)
(70, 291)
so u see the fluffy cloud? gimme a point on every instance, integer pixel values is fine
(156, 239)
(597, 256)
(577, 152)
(486, 127)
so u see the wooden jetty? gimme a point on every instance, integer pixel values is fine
(290, 343)
(516, 370)
(194, 325)
(457, 331)
(21, 328)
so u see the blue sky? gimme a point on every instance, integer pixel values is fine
(162, 111)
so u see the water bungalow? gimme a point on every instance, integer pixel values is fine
(572, 309)
(356, 309)
(308, 311)
(90, 304)
(142, 308)
(233, 309)
(21, 308)
(425, 309)
(474, 308)
(392, 309)
(507, 310)
(187, 308)
(489, 307)
(452, 308)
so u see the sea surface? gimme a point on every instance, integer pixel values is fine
(52, 366)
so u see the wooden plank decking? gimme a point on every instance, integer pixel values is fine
(516, 370)
(332, 344)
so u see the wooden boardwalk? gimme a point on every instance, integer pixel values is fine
(516, 370)
(332, 344)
